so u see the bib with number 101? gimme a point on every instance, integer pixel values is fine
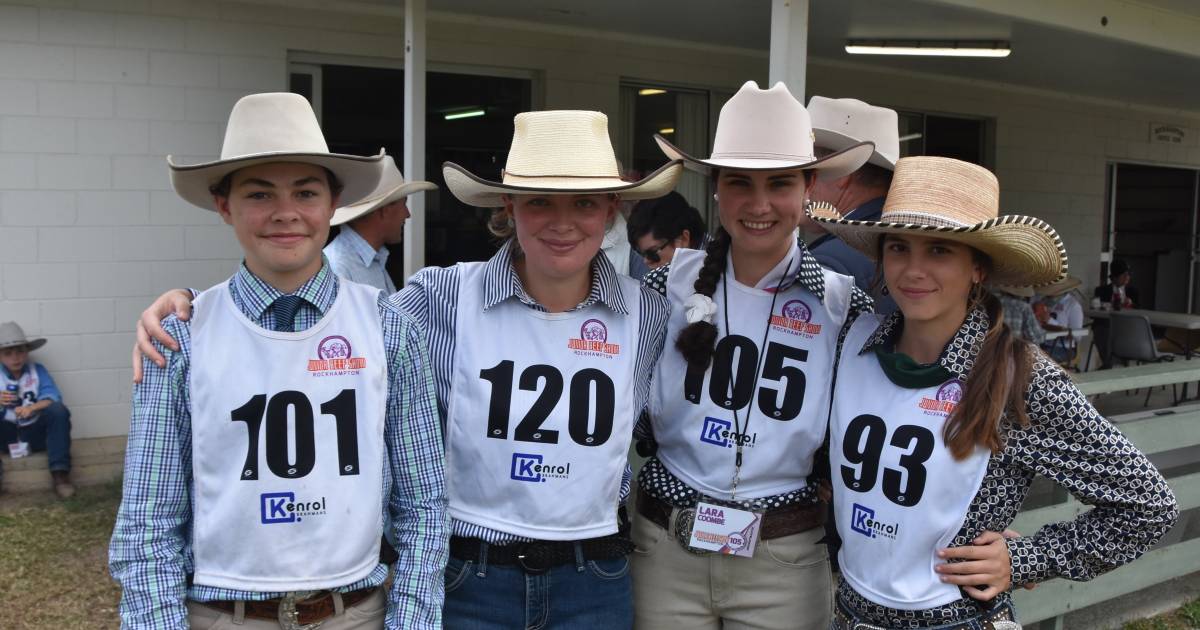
(787, 399)
(287, 445)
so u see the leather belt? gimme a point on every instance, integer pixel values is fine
(998, 619)
(777, 523)
(312, 609)
(541, 555)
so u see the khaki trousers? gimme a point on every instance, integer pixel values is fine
(785, 586)
(365, 615)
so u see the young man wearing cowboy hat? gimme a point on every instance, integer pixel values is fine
(34, 417)
(359, 252)
(837, 124)
(293, 411)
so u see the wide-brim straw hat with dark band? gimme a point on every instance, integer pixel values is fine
(768, 130)
(958, 201)
(562, 152)
(274, 127)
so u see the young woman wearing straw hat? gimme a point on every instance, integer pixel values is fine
(728, 523)
(930, 469)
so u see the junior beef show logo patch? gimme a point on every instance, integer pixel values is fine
(593, 341)
(335, 358)
(945, 400)
(796, 317)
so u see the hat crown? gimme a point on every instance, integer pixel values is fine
(391, 178)
(861, 121)
(764, 124)
(11, 334)
(275, 122)
(941, 191)
(561, 143)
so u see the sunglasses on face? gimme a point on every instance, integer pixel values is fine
(651, 255)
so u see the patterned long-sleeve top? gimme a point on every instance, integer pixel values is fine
(151, 549)
(663, 485)
(1066, 441)
(431, 297)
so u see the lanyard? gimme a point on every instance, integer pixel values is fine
(737, 425)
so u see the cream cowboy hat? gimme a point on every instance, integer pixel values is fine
(392, 187)
(12, 336)
(1066, 285)
(1014, 290)
(767, 130)
(840, 123)
(273, 127)
(558, 152)
(954, 200)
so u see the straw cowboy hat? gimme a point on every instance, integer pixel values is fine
(558, 152)
(840, 123)
(1066, 285)
(955, 200)
(392, 187)
(767, 130)
(11, 336)
(273, 127)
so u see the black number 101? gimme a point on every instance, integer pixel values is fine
(341, 407)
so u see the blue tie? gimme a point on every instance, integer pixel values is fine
(285, 312)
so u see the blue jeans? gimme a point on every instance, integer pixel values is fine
(51, 432)
(580, 595)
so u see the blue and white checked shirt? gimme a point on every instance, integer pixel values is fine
(431, 297)
(353, 258)
(151, 551)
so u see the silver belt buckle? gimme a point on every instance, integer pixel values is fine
(685, 519)
(289, 617)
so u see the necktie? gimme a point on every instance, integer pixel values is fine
(285, 312)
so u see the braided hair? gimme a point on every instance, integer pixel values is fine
(697, 340)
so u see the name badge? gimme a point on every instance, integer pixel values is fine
(18, 449)
(725, 530)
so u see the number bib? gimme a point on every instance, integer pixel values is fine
(27, 388)
(287, 445)
(899, 495)
(541, 415)
(788, 405)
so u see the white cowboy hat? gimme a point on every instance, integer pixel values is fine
(11, 336)
(839, 123)
(273, 127)
(767, 130)
(558, 152)
(955, 200)
(392, 187)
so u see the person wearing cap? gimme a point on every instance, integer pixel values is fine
(1018, 314)
(35, 418)
(1118, 292)
(728, 525)
(839, 123)
(292, 411)
(931, 468)
(359, 252)
(1059, 310)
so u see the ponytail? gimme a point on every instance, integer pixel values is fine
(697, 340)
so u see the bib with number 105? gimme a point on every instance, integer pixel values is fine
(287, 445)
(787, 399)
(541, 415)
(899, 495)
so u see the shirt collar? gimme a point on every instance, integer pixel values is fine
(253, 295)
(501, 283)
(361, 248)
(810, 275)
(13, 377)
(958, 357)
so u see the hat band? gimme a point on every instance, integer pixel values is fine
(508, 174)
(922, 218)
(761, 155)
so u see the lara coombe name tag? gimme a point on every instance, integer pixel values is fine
(725, 530)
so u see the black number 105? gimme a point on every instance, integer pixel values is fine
(341, 407)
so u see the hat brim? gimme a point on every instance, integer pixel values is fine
(358, 174)
(1024, 291)
(1068, 284)
(33, 344)
(476, 191)
(834, 165)
(836, 141)
(351, 212)
(1024, 250)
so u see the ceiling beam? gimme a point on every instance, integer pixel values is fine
(1124, 20)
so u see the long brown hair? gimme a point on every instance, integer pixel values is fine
(696, 341)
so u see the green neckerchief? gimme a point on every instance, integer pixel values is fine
(903, 371)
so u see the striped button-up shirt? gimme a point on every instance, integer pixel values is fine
(431, 297)
(151, 549)
(353, 258)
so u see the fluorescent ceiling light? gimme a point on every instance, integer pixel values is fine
(911, 136)
(929, 48)
(470, 113)
(650, 91)
(666, 131)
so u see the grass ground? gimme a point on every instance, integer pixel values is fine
(54, 565)
(1187, 617)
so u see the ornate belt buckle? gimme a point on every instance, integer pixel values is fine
(289, 617)
(684, 521)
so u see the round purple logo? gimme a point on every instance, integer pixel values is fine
(795, 309)
(333, 347)
(950, 392)
(594, 330)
